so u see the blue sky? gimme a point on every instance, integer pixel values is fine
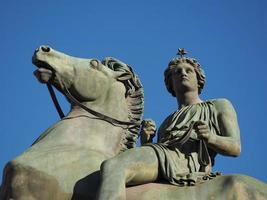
(229, 39)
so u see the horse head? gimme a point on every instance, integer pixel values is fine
(87, 79)
(104, 85)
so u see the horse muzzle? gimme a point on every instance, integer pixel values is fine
(45, 72)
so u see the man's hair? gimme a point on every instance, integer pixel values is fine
(173, 64)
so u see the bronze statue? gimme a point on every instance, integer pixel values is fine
(102, 127)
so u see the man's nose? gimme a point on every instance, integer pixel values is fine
(183, 72)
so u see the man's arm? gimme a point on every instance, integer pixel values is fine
(228, 142)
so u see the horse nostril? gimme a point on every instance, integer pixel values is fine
(45, 48)
(36, 50)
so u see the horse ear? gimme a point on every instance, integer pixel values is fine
(123, 76)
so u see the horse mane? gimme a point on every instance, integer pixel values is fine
(134, 98)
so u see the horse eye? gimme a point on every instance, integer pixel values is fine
(94, 63)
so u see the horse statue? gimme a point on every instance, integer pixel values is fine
(106, 101)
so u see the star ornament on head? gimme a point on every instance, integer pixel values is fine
(181, 52)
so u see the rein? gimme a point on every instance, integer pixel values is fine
(73, 100)
(55, 101)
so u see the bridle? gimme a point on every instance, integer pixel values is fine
(74, 101)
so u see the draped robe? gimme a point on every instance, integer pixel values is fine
(180, 164)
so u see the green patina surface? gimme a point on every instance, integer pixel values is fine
(65, 160)
(83, 153)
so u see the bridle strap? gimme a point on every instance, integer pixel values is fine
(55, 101)
(73, 100)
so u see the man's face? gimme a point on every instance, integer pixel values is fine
(184, 78)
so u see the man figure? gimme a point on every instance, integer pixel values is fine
(188, 139)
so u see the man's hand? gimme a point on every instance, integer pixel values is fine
(148, 131)
(202, 130)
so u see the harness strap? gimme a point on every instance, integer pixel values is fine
(73, 100)
(111, 120)
(55, 101)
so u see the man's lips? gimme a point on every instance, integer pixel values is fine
(184, 78)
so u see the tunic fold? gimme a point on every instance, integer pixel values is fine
(180, 164)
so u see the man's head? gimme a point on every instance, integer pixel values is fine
(175, 66)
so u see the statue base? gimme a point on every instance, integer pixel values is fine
(222, 187)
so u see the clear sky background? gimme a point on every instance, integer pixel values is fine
(229, 38)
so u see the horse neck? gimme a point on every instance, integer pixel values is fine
(112, 104)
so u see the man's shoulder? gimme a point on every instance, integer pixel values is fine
(222, 105)
(221, 101)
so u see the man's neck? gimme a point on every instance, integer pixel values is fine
(188, 98)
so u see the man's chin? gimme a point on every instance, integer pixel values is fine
(185, 84)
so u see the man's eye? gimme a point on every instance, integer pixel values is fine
(177, 71)
(189, 71)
